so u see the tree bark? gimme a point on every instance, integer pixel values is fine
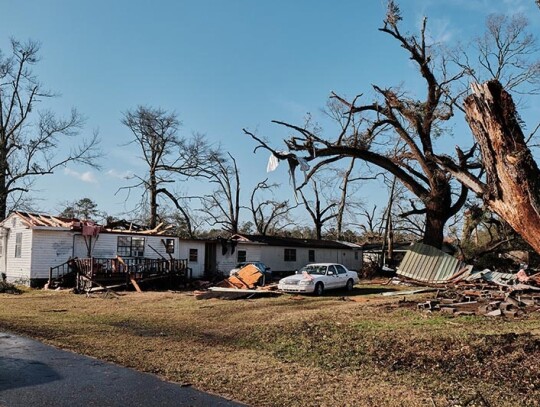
(512, 188)
(152, 190)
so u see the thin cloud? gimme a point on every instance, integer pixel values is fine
(87, 176)
(120, 175)
(442, 31)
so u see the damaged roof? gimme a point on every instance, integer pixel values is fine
(294, 242)
(37, 220)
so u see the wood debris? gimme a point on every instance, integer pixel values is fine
(247, 282)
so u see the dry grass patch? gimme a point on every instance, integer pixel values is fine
(298, 352)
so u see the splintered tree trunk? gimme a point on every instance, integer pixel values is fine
(512, 187)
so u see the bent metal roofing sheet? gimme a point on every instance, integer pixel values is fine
(428, 264)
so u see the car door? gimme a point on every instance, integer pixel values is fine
(332, 277)
(342, 276)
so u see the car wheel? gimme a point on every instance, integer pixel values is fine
(350, 285)
(319, 289)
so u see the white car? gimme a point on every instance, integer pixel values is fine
(315, 278)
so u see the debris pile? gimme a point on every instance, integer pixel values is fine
(462, 291)
(489, 301)
(246, 283)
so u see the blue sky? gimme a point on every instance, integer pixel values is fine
(221, 66)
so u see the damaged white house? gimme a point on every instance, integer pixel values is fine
(30, 244)
(284, 255)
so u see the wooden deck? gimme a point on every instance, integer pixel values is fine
(87, 273)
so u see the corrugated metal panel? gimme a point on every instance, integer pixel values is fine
(493, 277)
(428, 264)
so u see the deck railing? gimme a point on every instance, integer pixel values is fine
(140, 267)
(120, 268)
(60, 271)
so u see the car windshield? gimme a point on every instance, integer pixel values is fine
(315, 269)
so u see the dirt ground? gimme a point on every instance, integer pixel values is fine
(358, 349)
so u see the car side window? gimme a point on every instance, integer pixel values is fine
(341, 269)
(332, 269)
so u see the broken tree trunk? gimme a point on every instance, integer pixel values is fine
(512, 188)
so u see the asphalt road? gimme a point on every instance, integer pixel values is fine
(35, 374)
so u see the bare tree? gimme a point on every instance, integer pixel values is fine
(30, 140)
(506, 52)
(269, 216)
(168, 157)
(371, 131)
(222, 207)
(320, 212)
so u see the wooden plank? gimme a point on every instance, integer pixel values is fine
(100, 285)
(132, 279)
(46, 220)
(60, 223)
(36, 221)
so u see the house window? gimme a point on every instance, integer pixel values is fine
(193, 255)
(290, 255)
(311, 255)
(169, 246)
(242, 256)
(356, 254)
(18, 244)
(128, 246)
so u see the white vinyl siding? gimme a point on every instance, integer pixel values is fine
(105, 245)
(50, 248)
(17, 269)
(229, 260)
(183, 253)
(273, 257)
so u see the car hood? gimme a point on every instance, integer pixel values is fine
(296, 277)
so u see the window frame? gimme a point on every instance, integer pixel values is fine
(311, 255)
(169, 246)
(18, 245)
(242, 259)
(133, 249)
(289, 254)
(193, 255)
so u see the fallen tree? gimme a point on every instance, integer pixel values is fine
(511, 187)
